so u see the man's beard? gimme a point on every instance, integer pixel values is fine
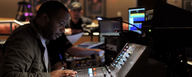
(47, 33)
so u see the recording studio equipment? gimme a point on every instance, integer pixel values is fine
(109, 27)
(114, 26)
(77, 63)
(136, 18)
(112, 47)
(121, 65)
(119, 60)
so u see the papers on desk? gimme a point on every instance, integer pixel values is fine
(2, 41)
(90, 44)
(73, 38)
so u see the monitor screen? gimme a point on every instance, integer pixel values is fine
(109, 28)
(136, 17)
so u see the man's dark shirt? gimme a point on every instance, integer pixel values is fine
(58, 47)
(81, 24)
(76, 26)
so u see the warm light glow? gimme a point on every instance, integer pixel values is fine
(99, 18)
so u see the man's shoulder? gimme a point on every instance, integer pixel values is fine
(86, 20)
(22, 36)
(25, 31)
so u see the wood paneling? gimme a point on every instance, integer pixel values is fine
(8, 8)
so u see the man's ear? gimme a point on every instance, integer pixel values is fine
(69, 10)
(44, 19)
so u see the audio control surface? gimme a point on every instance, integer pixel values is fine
(121, 65)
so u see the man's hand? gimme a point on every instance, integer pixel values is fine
(68, 31)
(99, 52)
(100, 57)
(59, 65)
(61, 73)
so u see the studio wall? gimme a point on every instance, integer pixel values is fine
(113, 8)
(8, 8)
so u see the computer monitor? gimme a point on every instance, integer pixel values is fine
(109, 27)
(136, 16)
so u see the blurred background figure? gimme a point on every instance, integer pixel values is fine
(77, 23)
(96, 6)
